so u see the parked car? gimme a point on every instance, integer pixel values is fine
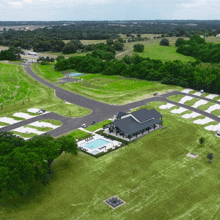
(41, 111)
(93, 123)
(83, 125)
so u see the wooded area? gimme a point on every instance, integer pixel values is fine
(24, 162)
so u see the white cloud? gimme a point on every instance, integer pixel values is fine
(15, 3)
(28, 1)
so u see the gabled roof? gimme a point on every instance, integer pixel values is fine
(144, 114)
(120, 114)
(130, 126)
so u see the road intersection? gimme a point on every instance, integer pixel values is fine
(99, 111)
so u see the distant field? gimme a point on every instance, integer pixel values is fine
(166, 185)
(164, 53)
(153, 50)
(18, 92)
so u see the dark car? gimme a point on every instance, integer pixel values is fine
(93, 123)
(41, 111)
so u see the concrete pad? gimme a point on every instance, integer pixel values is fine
(179, 110)
(43, 124)
(198, 103)
(212, 108)
(203, 121)
(167, 106)
(191, 115)
(187, 90)
(185, 98)
(33, 110)
(213, 127)
(197, 93)
(28, 130)
(23, 115)
(211, 96)
(8, 120)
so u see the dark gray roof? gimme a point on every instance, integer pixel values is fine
(130, 126)
(144, 114)
(120, 114)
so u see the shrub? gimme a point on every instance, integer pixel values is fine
(210, 156)
(138, 48)
(201, 140)
(164, 42)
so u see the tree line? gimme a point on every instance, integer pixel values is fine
(50, 38)
(196, 75)
(24, 162)
(12, 53)
(199, 49)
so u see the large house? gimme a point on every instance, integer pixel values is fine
(131, 124)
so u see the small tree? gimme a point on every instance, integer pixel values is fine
(179, 42)
(201, 140)
(164, 42)
(210, 156)
(138, 48)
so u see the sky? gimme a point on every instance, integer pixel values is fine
(78, 10)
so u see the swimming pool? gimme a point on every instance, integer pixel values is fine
(74, 74)
(96, 143)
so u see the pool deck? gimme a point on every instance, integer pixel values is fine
(102, 148)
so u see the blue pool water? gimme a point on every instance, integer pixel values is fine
(74, 74)
(97, 143)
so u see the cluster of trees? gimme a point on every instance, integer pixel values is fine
(24, 162)
(12, 53)
(138, 48)
(164, 42)
(195, 75)
(45, 61)
(198, 48)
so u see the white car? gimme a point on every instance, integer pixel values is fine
(83, 125)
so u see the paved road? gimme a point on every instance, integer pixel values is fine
(50, 115)
(100, 111)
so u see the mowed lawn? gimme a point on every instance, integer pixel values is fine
(164, 53)
(109, 89)
(19, 92)
(166, 185)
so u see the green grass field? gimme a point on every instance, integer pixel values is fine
(191, 102)
(39, 128)
(79, 134)
(164, 53)
(216, 112)
(167, 184)
(98, 125)
(19, 92)
(116, 89)
(206, 106)
(175, 98)
(52, 121)
(24, 135)
(108, 89)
